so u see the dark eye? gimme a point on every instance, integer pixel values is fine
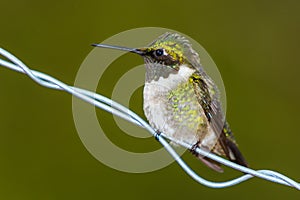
(159, 52)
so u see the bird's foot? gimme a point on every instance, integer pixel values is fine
(194, 147)
(157, 135)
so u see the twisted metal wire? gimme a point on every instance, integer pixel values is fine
(121, 111)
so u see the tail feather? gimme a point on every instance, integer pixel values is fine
(211, 164)
(230, 146)
(237, 155)
(226, 146)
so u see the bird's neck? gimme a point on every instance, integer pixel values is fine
(156, 71)
(168, 79)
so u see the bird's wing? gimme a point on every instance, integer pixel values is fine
(210, 103)
(208, 98)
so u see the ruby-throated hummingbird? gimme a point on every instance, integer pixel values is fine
(182, 101)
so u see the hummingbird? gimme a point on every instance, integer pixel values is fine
(182, 101)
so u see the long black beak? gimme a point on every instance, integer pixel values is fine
(137, 51)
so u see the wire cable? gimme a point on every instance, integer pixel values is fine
(123, 112)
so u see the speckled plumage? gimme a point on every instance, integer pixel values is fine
(181, 101)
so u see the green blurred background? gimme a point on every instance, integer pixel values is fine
(255, 44)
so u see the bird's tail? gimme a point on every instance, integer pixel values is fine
(236, 156)
(230, 147)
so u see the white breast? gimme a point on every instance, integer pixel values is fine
(172, 80)
(156, 100)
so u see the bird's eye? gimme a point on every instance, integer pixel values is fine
(159, 52)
